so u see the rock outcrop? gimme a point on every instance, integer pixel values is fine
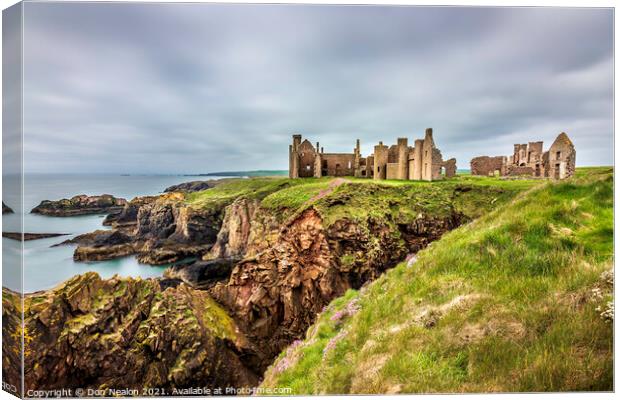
(124, 333)
(233, 237)
(277, 293)
(168, 217)
(273, 269)
(80, 205)
(6, 209)
(127, 218)
(158, 229)
(202, 274)
(30, 236)
(194, 186)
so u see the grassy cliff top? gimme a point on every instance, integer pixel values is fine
(335, 198)
(517, 300)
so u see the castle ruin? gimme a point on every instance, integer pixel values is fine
(423, 161)
(530, 160)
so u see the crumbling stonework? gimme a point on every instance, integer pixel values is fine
(450, 167)
(423, 161)
(530, 160)
(488, 166)
(560, 160)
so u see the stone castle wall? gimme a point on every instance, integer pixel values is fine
(423, 161)
(530, 160)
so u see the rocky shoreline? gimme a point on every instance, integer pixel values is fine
(157, 229)
(269, 276)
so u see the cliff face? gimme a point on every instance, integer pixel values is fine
(169, 218)
(519, 300)
(234, 235)
(275, 253)
(277, 294)
(157, 229)
(126, 333)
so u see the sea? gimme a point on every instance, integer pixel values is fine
(45, 266)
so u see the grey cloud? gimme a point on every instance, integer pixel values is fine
(182, 88)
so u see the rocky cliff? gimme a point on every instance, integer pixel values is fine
(273, 253)
(519, 300)
(125, 333)
(277, 293)
(157, 229)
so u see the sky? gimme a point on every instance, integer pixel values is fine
(196, 88)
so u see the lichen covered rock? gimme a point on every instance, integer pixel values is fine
(126, 333)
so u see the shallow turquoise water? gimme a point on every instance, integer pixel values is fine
(46, 266)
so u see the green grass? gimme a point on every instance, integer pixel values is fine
(504, 303)
(364, 198)
(226, 192)
(296, 196)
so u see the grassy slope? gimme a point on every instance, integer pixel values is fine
(509, 302)
(362, 198)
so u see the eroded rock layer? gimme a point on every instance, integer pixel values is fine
(277, 294)
(124, 333)
(265, 268)
(157, 229)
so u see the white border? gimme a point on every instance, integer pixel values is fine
(483, 3)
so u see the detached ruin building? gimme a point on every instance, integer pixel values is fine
(423, 161)
(530, 160)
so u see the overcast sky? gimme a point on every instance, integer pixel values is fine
(191, 88)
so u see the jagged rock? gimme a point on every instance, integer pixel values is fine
(159, 229)
(128, 216)
(202, 274)
(232, 239)
(277, 293)
(124, 333)
(158, 254)
(168, 217)
(6, 209)
(80, 205)
(87, 253)
(101, 245)
(194, 186)
(99, 238)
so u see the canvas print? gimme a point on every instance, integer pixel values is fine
(294, 199)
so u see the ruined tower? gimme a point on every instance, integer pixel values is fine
(317, 161)
(416, 161)
(357, 160)
(530, 160)
(381, 159)
(560, 160)
(427, 155)
(403, 155)
(294, 157)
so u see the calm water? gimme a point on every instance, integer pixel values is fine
(46, 266)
